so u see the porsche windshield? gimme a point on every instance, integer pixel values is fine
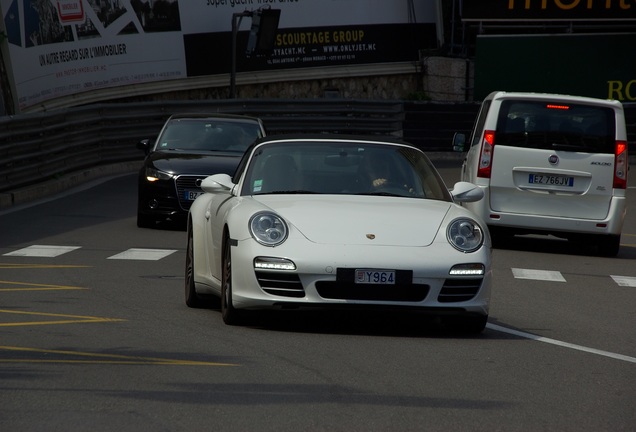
(351, 168)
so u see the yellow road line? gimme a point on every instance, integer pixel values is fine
(74, 319)
(38, 266)
(26, 286)
(103, 358)
(41, 289)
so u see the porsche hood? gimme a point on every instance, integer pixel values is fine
(361, 220)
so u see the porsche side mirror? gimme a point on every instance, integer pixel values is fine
(217, 183)
(466, 192)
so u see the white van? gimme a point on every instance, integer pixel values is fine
(549, 164)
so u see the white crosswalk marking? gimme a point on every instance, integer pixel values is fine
(544, 275)
(143, 254)
(51, 251)
(42, 251)
(625, 281)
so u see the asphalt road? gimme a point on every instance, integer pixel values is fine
(95, 335)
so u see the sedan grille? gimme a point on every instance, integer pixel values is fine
(187, 183)
(280, 284)
(344, 290)
(459, 290)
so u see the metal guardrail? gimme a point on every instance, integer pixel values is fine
(41, 146)
(34, 147)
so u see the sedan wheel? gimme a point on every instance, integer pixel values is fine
(191, 297)
(144, 221)
(230, 315)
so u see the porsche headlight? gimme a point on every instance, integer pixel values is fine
(268, 229)
(465, 235)
(152, 175)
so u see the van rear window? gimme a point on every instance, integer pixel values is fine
(556, 126)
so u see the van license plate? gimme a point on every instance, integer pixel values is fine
(369, 276)
(555, 180)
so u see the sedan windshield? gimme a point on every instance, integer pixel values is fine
(347, 167)
(208, 135)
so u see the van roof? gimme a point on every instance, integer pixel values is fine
(555, 96)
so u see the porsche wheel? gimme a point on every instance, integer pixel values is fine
(470, 325)
(230, 315)
(191, 297)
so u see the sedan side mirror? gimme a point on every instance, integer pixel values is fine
(466, 192)
(144, 145)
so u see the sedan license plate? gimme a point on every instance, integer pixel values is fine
(554, 180)
(370, 276)
(191, 195)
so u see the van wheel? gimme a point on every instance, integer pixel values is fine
(608, 246)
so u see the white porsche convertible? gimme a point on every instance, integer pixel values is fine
(338, 221)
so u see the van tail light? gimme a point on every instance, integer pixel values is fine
(620, 165)
(486, 153)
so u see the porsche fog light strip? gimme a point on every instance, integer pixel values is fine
(270, 263)
(467, 270)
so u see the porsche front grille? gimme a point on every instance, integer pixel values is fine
(280, 284)
(351, 291)
(459, 290)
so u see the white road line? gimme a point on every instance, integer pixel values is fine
(625, 281)
(562, 344)
(42, 251)
(545, 275)
(143, 254)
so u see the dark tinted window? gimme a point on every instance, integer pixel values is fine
(556, 126)
(208, 135)
(350, 168)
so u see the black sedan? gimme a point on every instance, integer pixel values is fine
(189, 148)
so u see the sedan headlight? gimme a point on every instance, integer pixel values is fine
(268, 229)
(465, 235)
(152, 175)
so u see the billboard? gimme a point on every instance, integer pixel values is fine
(595, 65)
(58, 48)
(547, 10)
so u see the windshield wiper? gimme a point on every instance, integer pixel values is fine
(289, 192)
(383, 194)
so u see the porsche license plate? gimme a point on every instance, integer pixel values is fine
(191, 195)
(370, 276)
(556, 180)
